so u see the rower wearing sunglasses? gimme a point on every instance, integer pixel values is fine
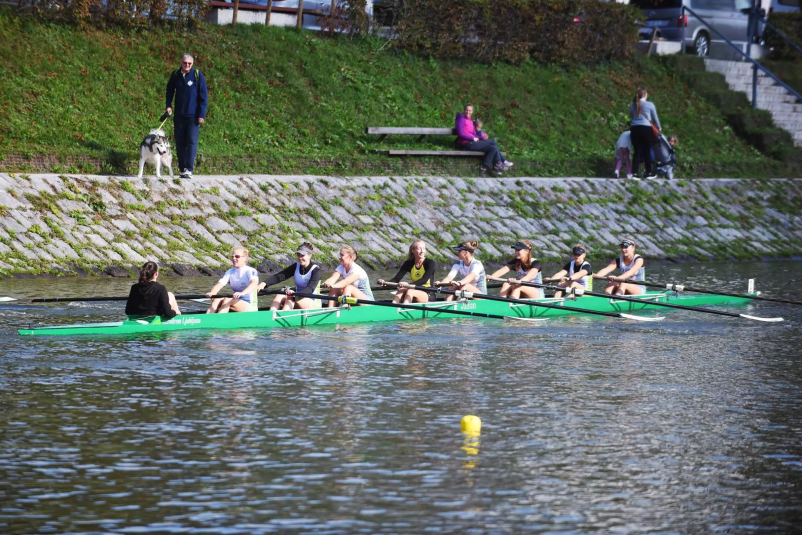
(576, 273)
(243, 280)
(305, 273)
(631, 269)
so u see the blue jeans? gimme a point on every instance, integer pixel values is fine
(186, 141)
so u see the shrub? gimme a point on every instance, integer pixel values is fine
(791, 25)
(118, 13)
(549, 31)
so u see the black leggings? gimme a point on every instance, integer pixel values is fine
(642, 139)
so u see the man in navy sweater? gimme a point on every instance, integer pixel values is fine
(188, 85)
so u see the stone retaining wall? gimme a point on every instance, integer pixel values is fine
(73, 224)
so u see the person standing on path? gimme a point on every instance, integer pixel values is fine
(644, 115)
(188, 86)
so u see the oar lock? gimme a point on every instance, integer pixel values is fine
(675, 287)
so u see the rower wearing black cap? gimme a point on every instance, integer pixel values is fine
(525, 268)
(305, 273)
(631, 269)
(470, 270)
(575, 274)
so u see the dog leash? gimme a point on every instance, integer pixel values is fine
(165, 116)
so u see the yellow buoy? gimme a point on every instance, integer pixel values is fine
(471, 425)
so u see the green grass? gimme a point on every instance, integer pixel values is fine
(282, 100)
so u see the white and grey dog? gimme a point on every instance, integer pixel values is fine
(155, 149)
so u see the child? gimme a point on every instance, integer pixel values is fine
(665, 157)
(623, 148)
(479, 132)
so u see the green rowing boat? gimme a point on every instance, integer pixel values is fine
(370, 314)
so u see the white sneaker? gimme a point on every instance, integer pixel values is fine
(629, 175)
(651, 177)
(507, 164)
(616, 173)
(633, 177)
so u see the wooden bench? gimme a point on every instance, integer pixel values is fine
(384, 131)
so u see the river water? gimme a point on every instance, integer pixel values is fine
(689, 425)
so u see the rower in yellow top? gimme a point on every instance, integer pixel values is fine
(421, 272)
(306, 275)
(631, 269)
(471, 271)
(526, 269)
(575, 274)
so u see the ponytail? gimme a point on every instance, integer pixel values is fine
(147, 273)
(639, 95)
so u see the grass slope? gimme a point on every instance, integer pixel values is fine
(282, 99)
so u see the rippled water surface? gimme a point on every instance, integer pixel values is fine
(689, 425)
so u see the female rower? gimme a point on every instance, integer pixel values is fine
(243, 280)
(471, 271)
(149, 298)
(306, 275)
(355, 281)
(526, 269)
(575, 274)
(631, 268)
(421, 272)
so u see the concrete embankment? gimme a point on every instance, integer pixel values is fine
(57, 224)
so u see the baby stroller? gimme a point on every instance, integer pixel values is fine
(664, 157)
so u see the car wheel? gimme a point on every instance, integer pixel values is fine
(702, 45)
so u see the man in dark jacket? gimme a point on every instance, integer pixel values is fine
(188, 85)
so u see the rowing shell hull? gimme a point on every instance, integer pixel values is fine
(370, 314)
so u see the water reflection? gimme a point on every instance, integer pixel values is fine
(686, 426)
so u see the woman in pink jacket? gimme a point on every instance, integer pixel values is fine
(468, 139)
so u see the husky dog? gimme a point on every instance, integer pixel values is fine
(155, 149)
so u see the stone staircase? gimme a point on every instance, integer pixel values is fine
(784, 107)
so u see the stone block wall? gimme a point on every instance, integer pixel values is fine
(60, 225)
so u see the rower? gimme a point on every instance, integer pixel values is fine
(149, 298)
(306, 275)
(421, 272)
(525, 268)
(355, 281)
(576, 273)
(631, 268)
(471, 271)
(243, 280)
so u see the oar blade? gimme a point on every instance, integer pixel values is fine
(641, 318)
(757, 318)
(515, 318)
(7, 299)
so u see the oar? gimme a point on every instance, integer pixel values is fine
(384, 288)
(182, 297)
(582, 291)
(460, 293)
(355, 301)
(682, 287)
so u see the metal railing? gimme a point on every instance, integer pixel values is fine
(755, 64)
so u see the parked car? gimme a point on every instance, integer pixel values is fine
(726, 16)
